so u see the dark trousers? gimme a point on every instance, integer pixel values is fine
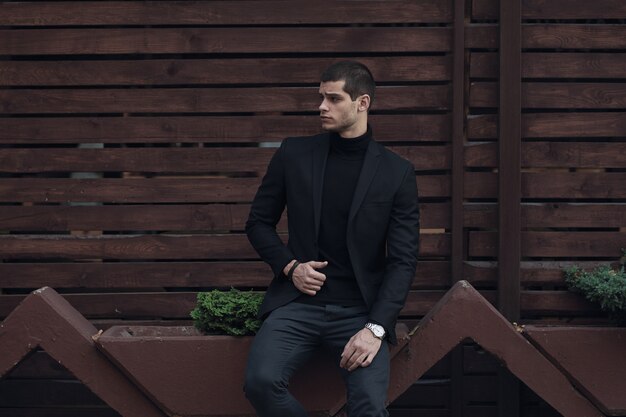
(288, 338)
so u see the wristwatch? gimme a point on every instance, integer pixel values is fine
(376, 329)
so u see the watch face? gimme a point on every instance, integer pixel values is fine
(376, 329)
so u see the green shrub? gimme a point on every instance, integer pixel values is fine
(603, 285)
(231, 312)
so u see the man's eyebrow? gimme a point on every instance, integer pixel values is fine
(330, 94)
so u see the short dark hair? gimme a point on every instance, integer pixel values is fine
(358, 78)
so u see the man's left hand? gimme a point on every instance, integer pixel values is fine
(360, 350)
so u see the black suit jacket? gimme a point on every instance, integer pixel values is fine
(383, 223)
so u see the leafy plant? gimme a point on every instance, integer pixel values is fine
(231, 312)
(603, 285)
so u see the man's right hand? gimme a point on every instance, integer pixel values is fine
(306, 278)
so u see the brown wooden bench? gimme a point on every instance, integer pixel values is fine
(184, 373)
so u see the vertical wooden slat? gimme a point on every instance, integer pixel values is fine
(509, 167)
(458, 139)
(509, 186)
(458, 142)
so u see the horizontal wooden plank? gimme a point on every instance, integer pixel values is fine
(201, 100)
(169, 217)
(431, 274)
(178, 160)
(222, 12)
(551, 273)
(481, 36)
(484, 154)
(481, 273)
(555, 95)
(121, 305)
(532, 273)
(159, 190)
(553, 36)
(576, 154)
(195, 217)
(212, 71)
(574, 36)
(173, 305)
(552, 154)
(595, 124)
(610, 185)
(163, 247)
(163, 160)
(551, 184)
(224, 40)
(553, 244)
(555, 9)
(477, 185)
(127, 247)
(551, 215)
(140, 217)
(578, 95)
(556, 303)
(177, 305)
(553, 125)
(554, 65)
(137, 275)
(130, 190)
(435, 215)
(583, 184)
(211, 129)
(142, 305)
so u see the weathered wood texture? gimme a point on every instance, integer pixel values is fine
(182, 13)
(212, 71)
(204, 129)
(572, 154)
(98, 41)
(129, 155)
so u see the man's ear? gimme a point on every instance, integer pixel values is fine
(364, 102)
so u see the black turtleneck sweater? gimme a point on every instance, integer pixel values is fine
(343, 166)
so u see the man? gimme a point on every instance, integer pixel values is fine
(343, 278)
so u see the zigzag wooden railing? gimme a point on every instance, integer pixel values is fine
(152, 372)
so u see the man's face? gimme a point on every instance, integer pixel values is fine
(338, 112)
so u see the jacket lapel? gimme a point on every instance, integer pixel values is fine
(370, 166)
(320, 155)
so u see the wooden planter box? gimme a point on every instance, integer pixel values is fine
(189, 374)
(593, 358)
(183, 373)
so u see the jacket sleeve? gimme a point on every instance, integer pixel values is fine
(402, 250)
(267, 208)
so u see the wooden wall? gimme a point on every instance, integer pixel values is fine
(573, 153)
(133, 136)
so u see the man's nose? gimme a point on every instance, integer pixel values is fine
(323, 106)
